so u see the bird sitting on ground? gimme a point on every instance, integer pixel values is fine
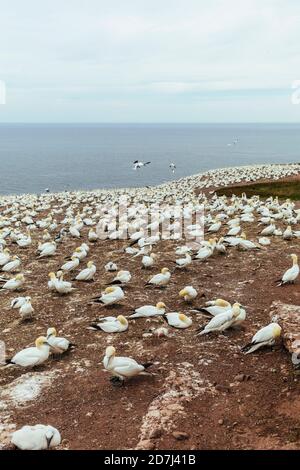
(111, 324)
(34, 356)
(161, 279)
(266, 336)
(58, 345)
(149, 311)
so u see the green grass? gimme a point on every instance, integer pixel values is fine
(282, 189)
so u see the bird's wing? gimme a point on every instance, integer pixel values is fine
(265, 334)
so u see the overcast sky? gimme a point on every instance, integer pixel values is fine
(149, 60)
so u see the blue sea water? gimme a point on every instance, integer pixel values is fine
(88, 156)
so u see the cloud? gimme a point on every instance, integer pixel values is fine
(151, 57)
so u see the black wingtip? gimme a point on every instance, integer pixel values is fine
(95, 326)
(147, 364)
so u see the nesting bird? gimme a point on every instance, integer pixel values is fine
(266, 336)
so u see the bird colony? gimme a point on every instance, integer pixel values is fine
(101, 311)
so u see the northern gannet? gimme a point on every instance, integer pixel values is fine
(122, 367)
(5, 257)
(58, 345)
(17, 302)
(139, 164)
(183, 262)
(12, 266)
(122, 277)
(93, 236)
(178, 320)
(149, 311)
(291, 274)
(222, 321)
(215, 307)
(14, 283)
(111, 324)
(264, 241)
(26, 309)
(110, 296)
(38, 437)
(188, 293)
(49, 250)
(161, 279)
(266, 336)
(33, 356)
(110, 267)
(70, 265)
(148, 260)
(88, 273)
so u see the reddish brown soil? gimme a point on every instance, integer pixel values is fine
(260, 412)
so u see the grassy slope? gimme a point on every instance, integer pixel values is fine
(282, 189)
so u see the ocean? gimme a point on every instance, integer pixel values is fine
(88, 156)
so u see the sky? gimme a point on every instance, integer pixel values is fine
(150, 60)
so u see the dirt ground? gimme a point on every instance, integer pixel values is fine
(203, 394)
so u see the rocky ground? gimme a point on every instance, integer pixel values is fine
(203, 394)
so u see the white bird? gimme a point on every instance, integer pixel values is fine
(215, 307)
(161, 279)
(220, 247)
(215, 227)
(93, 236)
(17, 302)
(88, 273)
(222, 321)
(188, 293)
(205, 252)
(291, 274)
(139, 164)
(264, 241)
(183, 262)
(38, 437)
(33, 356)
(110, 296)
(59, 285)
(288, 233)
(245, 244)
(149, 310)
(266, 336)
(14, 283)
(12, 266)
(178, 320)
(70, 265)
(26, 309)
(111, 324)
(234, 231)
(122, 277)
(49, 250)
(5, 257)
(110, 267)
(269, 230)
(122, 367)
(148, 260)
(25, 241)
(172, 167)
(74, 231)
(58, 345)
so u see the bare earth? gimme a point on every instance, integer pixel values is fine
(203, 387)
